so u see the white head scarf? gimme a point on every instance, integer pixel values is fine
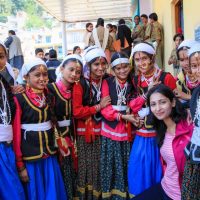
(28, 66)
(194, 48)
(143, 47)
(187, 43)
(119, 60)
(93, 52)
(72, 56)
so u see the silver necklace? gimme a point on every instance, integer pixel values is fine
(40, 100)
(121, 93)
(98, 90)
(197, 112)
(5, 112)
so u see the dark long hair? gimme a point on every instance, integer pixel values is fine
(178, 112)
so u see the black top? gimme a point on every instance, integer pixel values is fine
(124, 32)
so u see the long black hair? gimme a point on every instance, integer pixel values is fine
(178, 112)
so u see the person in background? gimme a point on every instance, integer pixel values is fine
(100, 36)
(124, 32)
(111, 31)
(173, 132)
(156, 37)
(191, 176)
(8, 73)
(115, 29)
(13, 44)
(39, 53)
(138, 31)
(183, 82)
(46, 57)
(178, 38)
(87, 34)
(52, 64)
(144, 20)
(77, 50)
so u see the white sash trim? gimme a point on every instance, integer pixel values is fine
(119, 108)
(105, 38)
(112, 132)
(6, 133)
(64, 123)
(44, 126)
(196, 136)
(145, 131)
(96, 130)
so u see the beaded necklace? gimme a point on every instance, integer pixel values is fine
(5, 112)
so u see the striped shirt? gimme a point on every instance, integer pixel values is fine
(170, 182)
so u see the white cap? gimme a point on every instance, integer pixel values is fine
(145, 47)
(93, 52)
(194, 48)
(72, 56)
(187, 43)
(28, 66)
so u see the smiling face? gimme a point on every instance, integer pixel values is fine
(136, 20)
(122, 71)
(195, 66)
(98, 68)
(161, 106)
(90, 28)
(38, 77)
(184, 60)
(69, 72)
(3, 57)
(143, 62)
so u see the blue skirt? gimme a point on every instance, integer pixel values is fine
(144, 168)
(45, 180)
(10, 185)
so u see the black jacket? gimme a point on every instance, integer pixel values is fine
(124, 31)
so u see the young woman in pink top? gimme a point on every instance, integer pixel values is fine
(173, 133)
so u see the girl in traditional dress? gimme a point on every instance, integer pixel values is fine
(34, 142)
(10, 185)
(173, 132)
(184, 78)
(191, 177)
(70, 70)
(144, 168)
(116, 130)
(87, 104)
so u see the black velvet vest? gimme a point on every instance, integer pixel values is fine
(62, 109)
(35, 144)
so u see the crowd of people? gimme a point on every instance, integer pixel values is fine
(121, 129)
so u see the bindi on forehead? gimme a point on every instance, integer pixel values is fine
(41, 68)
